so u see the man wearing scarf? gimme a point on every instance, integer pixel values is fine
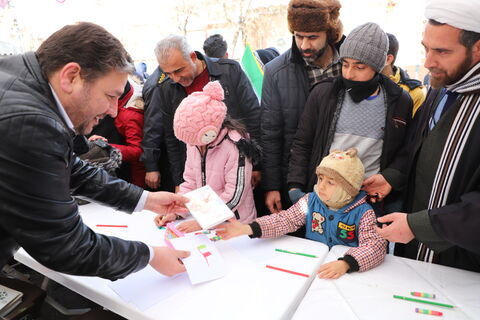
(443, 192)
(360, 109)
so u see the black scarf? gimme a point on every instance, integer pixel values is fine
(360, 90)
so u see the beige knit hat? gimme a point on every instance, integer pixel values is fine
(347, 170)
(316, 16)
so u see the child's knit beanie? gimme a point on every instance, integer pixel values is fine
(348, 172)
(199, 117)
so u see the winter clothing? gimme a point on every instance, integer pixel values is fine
(38, 176)
(316, 130)
(367, 43)
(315, 16)
(240, 99)
(199, 117)
(412, 86)
(443, 196)
(348, 172)
(353, 226)
(226, 168)
(284, 93)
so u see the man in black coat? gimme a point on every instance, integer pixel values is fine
(186, 71)
(317, 33)
(46, 98)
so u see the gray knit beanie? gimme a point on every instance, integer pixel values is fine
(367, 43)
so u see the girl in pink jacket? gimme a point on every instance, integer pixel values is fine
(219, 153)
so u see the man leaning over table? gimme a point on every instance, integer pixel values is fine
(72, 81)
(443, 192)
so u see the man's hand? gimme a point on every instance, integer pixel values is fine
(377, 186)
(333, 270)
(189, 226)
(152, 179)
(398, 230)
(167, 261)
(273, 201)
(256, 178)
(233, 229)
(166, 202)
(96, 137)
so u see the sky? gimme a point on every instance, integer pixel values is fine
(43, 17)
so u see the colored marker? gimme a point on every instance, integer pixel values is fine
(430, 312)
(112, 226)
(423, 301)
(288, 271)
(162, 228)
(423, 294)
(297, 253)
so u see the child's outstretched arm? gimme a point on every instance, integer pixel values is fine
(371, 249)
(333, 270)
(233, 229)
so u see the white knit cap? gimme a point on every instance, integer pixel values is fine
(461, 14)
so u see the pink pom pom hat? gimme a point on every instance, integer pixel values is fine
(199, 117)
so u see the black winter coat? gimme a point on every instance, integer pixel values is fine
(317, 126)
(39, 173)
(242, 104)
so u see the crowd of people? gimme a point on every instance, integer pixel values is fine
(342, 142)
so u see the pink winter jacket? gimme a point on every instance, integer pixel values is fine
(225, 171)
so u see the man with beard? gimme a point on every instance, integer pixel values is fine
(317, 34)
(72, 81)
(443, 192)
(360, 109)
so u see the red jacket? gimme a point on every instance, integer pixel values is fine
(129, 124)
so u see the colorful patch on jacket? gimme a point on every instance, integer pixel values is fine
(346, 232)
(317, 222)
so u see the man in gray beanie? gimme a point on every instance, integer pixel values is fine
(317, 34)
(443, 191)
(360, 109)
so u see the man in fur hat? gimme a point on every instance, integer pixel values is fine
(317, 35)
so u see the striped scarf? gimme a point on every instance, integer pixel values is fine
(464, 121)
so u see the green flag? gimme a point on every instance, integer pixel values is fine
(253, 69)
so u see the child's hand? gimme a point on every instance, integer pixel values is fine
(333, 270)
(163, 219)
(232, 229)
(189, 226)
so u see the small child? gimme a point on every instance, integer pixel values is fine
(219, 154)
(336, 213)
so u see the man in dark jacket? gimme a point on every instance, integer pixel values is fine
(46, 98)
(361, 108)
(443, 191)
(317, 32)
(187, 71)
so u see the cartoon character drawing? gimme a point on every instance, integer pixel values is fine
(317, 222)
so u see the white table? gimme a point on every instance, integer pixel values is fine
(249, 290)
(369, 295)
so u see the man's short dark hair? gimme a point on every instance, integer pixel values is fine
(392, 46)
(91, 46)
(467, 38)
(215, 46)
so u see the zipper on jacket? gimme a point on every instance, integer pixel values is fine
(204, 174)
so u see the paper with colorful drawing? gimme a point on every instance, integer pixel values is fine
(205, 262)
(207, 207)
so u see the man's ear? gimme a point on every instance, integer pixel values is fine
(69, 76)
(193, 56)
(390, 59)
(476, 52)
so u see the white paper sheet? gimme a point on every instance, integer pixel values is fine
(205, 262)
(147, 287)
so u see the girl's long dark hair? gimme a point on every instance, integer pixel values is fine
(233, 124)
(248, 147)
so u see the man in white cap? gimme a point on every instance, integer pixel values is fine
(443, 191)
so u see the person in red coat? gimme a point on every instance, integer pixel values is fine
(125, 133)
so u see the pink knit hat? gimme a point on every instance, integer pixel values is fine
(200, 116)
